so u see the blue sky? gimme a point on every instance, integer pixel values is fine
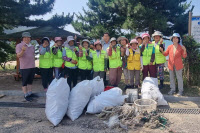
(70, 6)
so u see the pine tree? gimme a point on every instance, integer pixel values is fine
(167, 16)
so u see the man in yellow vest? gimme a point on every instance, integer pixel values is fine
(134, 63)
(57, 56)
(99, 60)
(148, 57)
(160, 59)
(45, 63)
(70, 56)
(115, 63)
(85, 66)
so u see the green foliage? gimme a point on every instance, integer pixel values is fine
(17, 12)
(167, 16)
(7, 53)
(192, 62)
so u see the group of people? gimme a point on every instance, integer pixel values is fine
(89, 60)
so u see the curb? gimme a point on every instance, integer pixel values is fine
(168, 98)
(19, 93)
(171, 98)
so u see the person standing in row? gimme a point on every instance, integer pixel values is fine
(148, 57)
(85, 65)
(46, 63)
(26, 53)
(124, 44)
(105, 44)
(139, 39)
(160, 59)
(57, 57)
(175, 64)
(134, 63)
(99, 60)
(115, 63)
(70, 56)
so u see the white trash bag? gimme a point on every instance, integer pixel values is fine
(78, 99)
(57, 100)
(97, 85)
(112, 97)
(150, 90)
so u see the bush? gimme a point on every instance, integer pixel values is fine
(192, 62)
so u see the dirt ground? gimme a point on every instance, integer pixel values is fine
(33, 120)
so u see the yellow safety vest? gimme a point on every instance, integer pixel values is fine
(46, 60)
(133, 61)
(98, 62)
(70, 54)
(146, 54)
(83, 62)
(115, 59)
(159, 57)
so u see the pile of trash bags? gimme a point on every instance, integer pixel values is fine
(90, 93)
(150, 90)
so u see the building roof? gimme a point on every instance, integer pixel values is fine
(40, 32)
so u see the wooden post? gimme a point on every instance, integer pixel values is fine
(189, 33)
(190, 24)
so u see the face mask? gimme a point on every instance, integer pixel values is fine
(28, 45)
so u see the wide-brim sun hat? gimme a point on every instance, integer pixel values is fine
(145, 35)
(26, 34)
(45, 38)
(175, 35)
(113, 39)
(157, 33)
(70, 38)
(122, 38)
(133, 41)
(86, 40)
(97, 42)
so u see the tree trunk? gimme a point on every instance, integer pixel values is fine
(150, 29)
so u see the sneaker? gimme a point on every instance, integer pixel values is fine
(136, 86)
(132, 86)
(179, 94)
(126, 87)
(171, 92)
(33, 95)
(27, 98)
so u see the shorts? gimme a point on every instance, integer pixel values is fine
(27, 76)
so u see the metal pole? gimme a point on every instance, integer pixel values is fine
(189, 23)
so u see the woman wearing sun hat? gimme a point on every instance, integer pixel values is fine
(176, 52)
(160, 59)
(70, 56)
(115, 62)
(134, 63)
(148, 57)
(46, 63)
(85, 66)
(26, 53)
(57, 56)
